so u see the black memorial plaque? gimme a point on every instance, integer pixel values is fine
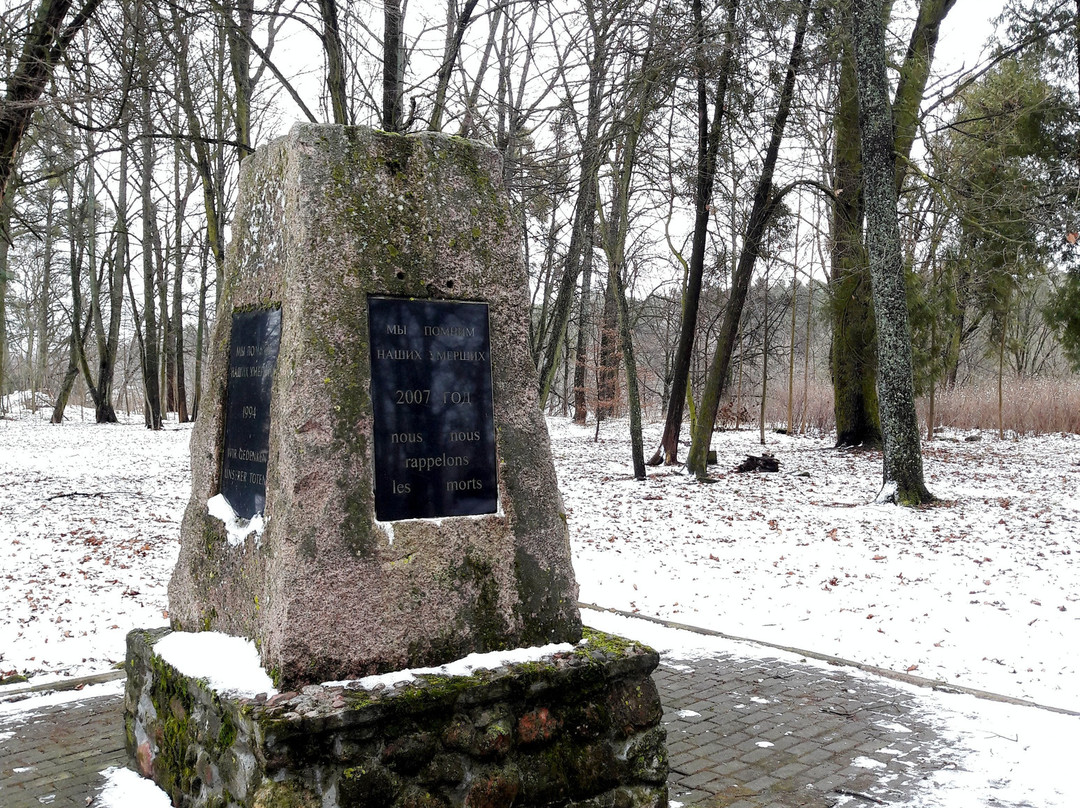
(434, 418)
(253, 351)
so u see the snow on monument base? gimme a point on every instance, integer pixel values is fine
(373, 491)
(581, 729)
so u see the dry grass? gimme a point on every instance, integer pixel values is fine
(1030, 407)
(812, 409)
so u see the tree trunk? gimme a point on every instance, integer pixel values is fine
(853, 357)
(903, 471)
(46, 41)
(764, 362)
(708, 149)
(626, 343)
(166, 359)
(44, 312)
(790, 423)
(607, 374)
(553, 333)
(5, 221)
(76, 358)
(67, 382)
(853, 362)
(466, 129)
(200, 331)
(581, 409)
(77, 339)
(1001, 376)
(336, 86)
(454, 34)
(178, 390)
(392, 113)
(615, 232)
(911, 84)
(150, 340)
(211, 171)
(791, 338)
(806, 353)
(101, 388)
(931, 416)
(105, 413)
(760, 215)
(238, 33)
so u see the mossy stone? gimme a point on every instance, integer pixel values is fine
(326, 217)
(369, 785)
(288, 794)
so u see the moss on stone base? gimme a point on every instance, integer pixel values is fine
(285, 795)
(579, 728)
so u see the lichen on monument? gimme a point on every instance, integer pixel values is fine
(327, 218)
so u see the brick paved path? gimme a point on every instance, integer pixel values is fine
(756, 733)
(54, 754)
(741, 734)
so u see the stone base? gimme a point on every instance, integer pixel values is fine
(581, 729)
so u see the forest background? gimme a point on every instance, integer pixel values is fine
(690, 176)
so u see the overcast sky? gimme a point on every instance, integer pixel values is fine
(964, 33)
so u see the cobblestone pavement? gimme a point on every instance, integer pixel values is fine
(741, 734)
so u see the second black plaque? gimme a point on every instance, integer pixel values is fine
(431, 394)
(253, 351)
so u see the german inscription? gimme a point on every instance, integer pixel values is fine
(253, 351)
(434, 418)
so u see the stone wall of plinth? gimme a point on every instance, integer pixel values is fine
(581, 729)
(327, 217)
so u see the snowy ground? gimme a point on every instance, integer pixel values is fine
(981, 590)
(89, 533)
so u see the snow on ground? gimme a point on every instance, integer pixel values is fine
(980, 590)
(125, 788)
(20, 709)
(89, 533)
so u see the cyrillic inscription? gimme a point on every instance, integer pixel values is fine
(434, 421)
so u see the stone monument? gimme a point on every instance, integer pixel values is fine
(373, 490)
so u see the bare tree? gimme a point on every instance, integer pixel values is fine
(766, 199)
(239, 18)
(150, 348)
(455, 33)
(393, 116)
(552, 333)
(336, 85)
(642, 93)
(48, 37)
(708, 152)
